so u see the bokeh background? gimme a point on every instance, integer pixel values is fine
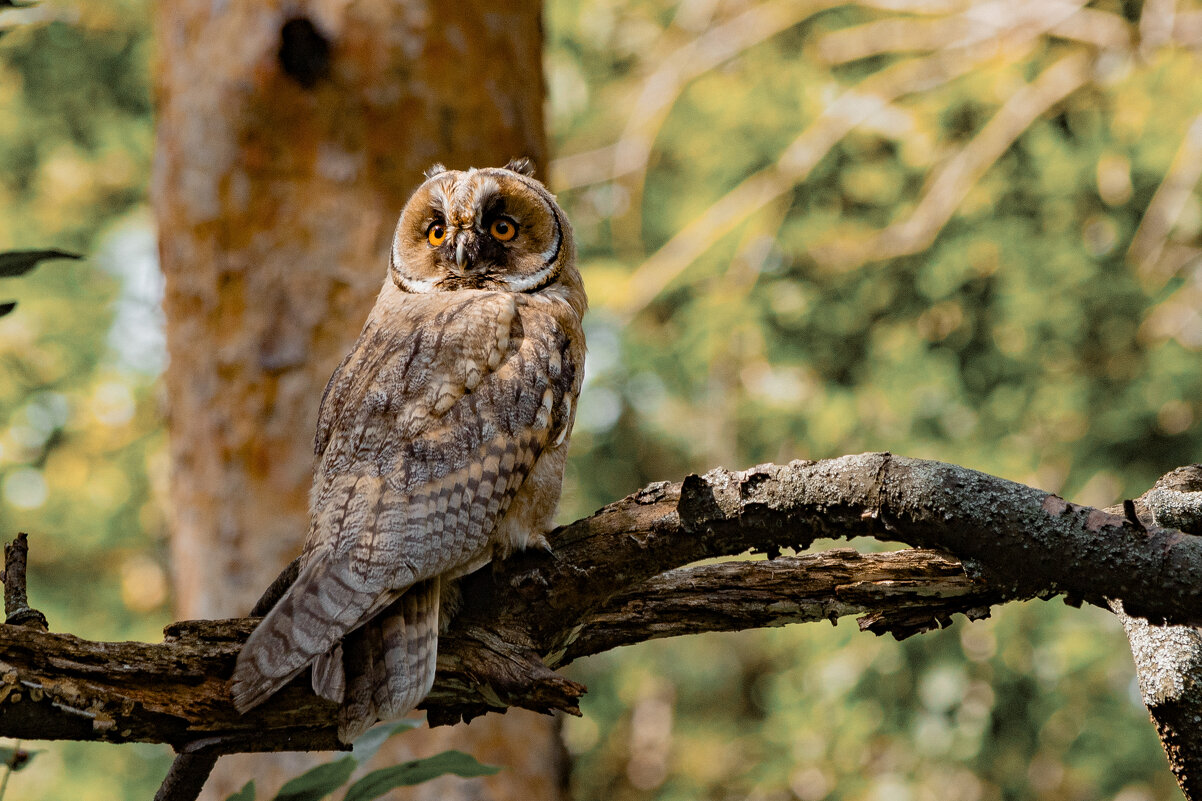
(961, 231)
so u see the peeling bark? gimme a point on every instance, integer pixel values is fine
(628, 574)
(57, 686)
(1168, 659)
(900, 593)
(1024, 541)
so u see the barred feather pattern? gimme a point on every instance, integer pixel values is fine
(427, 432)
(441, 443)
(396, 654)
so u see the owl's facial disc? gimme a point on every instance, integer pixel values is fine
(480, 229)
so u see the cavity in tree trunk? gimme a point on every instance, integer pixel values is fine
(288, 141)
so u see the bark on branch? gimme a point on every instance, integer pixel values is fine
(1168, 659)
(628, 573)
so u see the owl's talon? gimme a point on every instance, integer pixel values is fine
(500, 552)
(401, 391)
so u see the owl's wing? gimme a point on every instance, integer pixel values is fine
(427, 431)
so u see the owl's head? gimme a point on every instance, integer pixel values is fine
(496, 228)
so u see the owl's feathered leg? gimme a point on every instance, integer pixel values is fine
(325, 603)
(411, 650)
(364, 653)
(397, 654)
(329, 678)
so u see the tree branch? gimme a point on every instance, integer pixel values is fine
(17, 611)
(627, 574)
(1168, 659)
(901, 593)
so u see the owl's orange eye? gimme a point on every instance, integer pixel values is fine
(503, 229)
(437, 234)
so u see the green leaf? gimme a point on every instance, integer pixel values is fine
(5, 308)
(371, 740)
(19, 262)
(379, 782)
(247, 793)
(16, 758)
(315, 784)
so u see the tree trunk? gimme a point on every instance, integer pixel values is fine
(288, 141)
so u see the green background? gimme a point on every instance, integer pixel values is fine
(1027, 339)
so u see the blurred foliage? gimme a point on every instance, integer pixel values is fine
(808, 229)
(967, 232)
(81, 445)
(328, 777)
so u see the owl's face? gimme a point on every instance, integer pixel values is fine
(495, 228)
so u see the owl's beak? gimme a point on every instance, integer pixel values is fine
(461, 257)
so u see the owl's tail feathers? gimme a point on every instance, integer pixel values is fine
(397, 652)
(321, 607)
(329, 678)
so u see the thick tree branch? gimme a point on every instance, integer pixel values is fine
(628, 574)
(1168, 659)
(1025, 541)
(902, 593)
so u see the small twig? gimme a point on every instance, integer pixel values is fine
(17, 611)
(1132, 517)
(187, 777)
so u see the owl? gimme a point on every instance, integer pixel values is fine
(441, 443)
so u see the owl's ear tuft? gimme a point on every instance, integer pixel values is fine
(433, 170)
(523, 165)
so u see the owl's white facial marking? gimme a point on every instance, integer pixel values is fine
(438, 197)
(529, 282)
(459, 205)
(408, 283)
(551, 253)
(417, 287)
(484, 191)
(492, 228)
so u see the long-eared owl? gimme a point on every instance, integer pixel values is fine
(441, 442)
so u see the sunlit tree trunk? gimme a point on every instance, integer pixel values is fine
(288, 140)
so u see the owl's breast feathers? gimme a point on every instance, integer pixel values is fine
(426, 433)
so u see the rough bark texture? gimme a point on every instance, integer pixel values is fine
(1168, 659)
(17, 611)
(57, 686)
(289, 137)
(623, 575)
